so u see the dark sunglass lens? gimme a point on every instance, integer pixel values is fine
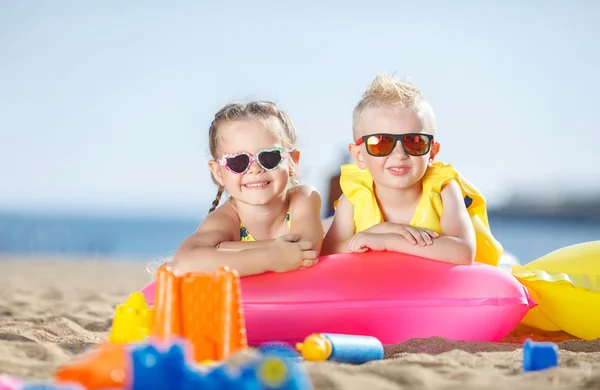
(416, 144)
(380, 145)
(270, 159)
(238, 163)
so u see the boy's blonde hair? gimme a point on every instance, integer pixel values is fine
(388, 90)
(270, 115)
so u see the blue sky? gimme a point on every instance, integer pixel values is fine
(105, 106)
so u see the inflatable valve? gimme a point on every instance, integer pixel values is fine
(539, 355)
(132, 320)
(340, 348)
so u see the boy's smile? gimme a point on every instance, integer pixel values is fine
(399, 170)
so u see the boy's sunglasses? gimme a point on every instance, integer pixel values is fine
(239, 163)
(380, 145)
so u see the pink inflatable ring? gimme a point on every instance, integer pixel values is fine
(387, 295)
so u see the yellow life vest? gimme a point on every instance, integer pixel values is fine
(357, 186)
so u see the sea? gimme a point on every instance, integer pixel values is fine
(152, 238)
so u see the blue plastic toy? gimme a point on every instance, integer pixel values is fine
(280, 367)
(273, 370)
(539, 355)
(158, 368)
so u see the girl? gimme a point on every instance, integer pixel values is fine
(269, 222)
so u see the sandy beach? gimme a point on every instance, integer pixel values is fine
(54, 309)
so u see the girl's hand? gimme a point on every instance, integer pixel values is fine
(289, 254)
(363, 241)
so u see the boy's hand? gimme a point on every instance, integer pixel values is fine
(290, 254)
(363, 241)
(414, 235)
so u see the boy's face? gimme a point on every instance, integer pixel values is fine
(397, 170)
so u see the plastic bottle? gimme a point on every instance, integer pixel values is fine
(341, 348)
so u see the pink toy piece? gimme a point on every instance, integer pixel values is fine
(8, 382)
(391, 296)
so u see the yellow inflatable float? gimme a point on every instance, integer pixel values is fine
(566, 285)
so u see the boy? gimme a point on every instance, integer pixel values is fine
(395, 197)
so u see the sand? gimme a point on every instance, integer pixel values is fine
(54, 309)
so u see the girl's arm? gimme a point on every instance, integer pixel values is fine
(198, 252)
(305, 211)
(456, 245)
(243, 245)
(342, 228)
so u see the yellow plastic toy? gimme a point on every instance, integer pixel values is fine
(132, 321)
(315, 348)
(566, 285)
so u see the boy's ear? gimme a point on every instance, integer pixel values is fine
(216, 171)
(357, 155)
(435, 149)
(295, 155)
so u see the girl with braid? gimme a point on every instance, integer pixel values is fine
(269, 222)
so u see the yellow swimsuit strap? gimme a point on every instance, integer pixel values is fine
(245, 234)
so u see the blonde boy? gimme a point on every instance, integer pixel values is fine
(395, 196)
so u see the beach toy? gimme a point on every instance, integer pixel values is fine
(282, 367)
(566, 285)
(156, 370)
(104, 367)
(150, 366)
(508, 261)
(204, 308)
(8, 382)
(52, 386)
(132, 320)
(341, 348)
(539, 355)
(388, 295)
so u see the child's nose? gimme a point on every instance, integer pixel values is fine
(399, 150)
(255, 167)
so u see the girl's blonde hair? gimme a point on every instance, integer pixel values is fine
(270, 115)
(388, 90)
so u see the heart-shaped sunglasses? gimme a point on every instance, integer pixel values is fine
(239, 163)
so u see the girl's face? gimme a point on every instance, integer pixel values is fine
(256, 185)
(397, 170)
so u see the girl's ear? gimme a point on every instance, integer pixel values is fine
(295, 155)
(216, 172)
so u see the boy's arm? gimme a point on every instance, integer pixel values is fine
(305, 211)
(342, 228)
(412, 234)
(456, 245)
(198, 252)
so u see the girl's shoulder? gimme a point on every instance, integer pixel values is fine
(302, 190)
(303, 195)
